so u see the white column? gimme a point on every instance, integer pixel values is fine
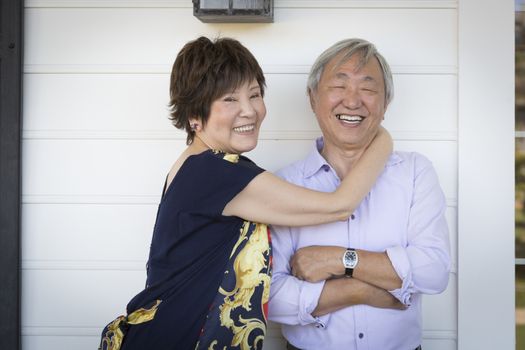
(486, 175)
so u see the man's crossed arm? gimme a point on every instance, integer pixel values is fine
(372, 278)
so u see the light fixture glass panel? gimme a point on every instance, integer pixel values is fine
(214, 4)
(248, 4)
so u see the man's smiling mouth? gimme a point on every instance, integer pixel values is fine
(350, 119)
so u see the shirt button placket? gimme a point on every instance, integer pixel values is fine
(361, 341)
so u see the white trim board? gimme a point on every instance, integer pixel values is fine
(118, 199)
(445, 4)
(428, 135)
(95, 331)
(486, 175)
(166, 69)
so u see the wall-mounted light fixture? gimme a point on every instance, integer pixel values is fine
(233, 11)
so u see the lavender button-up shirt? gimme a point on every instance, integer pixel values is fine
(404, 215)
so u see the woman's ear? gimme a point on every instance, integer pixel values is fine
(195, 124)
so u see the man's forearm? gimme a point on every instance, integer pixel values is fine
(316, 263)
(376, 269)
(343, 292)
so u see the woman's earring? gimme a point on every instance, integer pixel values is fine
(194, 126)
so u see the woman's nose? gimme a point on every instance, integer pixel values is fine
(247, 109)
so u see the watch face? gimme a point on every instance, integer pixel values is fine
(350, 259)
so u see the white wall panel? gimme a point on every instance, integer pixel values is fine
(135, 105)
(91, 37)
(106, 237)
(277, 3)
(68, 298)
(66, 342)
(51, 306)
(36, 338)
(98, 144)
(58, 342)
(50, 301)
(423, 106)
(439, 344)
(83, 234)
(437, 311)
(94, 168)
(94, 102)
(97, 167)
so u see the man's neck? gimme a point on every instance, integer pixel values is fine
(342, 160)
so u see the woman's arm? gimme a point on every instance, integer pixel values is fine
(271, 200)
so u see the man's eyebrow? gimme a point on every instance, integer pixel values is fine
(344, 76)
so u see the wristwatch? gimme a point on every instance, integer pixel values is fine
(350, 260)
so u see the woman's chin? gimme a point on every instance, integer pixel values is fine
(246, 147)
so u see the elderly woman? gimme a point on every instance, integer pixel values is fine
(209, 267)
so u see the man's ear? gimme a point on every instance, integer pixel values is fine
(386, 107)
(311, 96)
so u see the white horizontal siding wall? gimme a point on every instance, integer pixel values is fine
(97, 142)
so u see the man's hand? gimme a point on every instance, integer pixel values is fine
(318, 263)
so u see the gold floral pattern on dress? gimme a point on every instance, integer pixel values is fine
(115, 331)
(248, 266)
(237, 319)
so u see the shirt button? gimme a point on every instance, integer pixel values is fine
(361, 335)
(326, 168)
(352, 216)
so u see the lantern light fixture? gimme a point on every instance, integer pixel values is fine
(233, 11)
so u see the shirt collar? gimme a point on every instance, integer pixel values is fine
(315, 161)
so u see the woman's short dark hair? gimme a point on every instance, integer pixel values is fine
(203, 71)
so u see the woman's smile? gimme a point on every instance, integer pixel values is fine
(244, 129)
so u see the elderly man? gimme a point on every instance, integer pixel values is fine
(358, 284)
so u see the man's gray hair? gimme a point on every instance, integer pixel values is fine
(346, 49)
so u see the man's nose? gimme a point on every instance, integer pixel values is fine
(352, 99)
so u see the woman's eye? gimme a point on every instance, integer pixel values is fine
(257, 95)
(229, 99)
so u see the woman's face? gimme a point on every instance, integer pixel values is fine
(235, 119)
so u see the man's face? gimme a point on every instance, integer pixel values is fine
(349, 102)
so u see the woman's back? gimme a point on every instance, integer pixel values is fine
(192, 255)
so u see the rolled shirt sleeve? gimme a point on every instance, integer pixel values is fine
(292, 301)
(424, 264)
